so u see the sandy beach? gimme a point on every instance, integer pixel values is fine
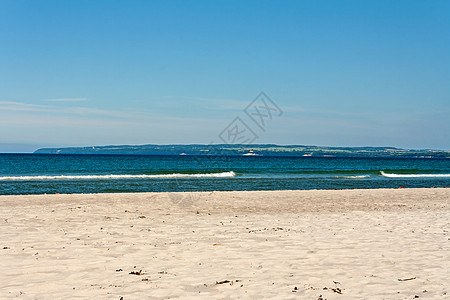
(334, 244)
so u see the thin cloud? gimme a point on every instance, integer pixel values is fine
(43, 112)
(211, 103)
(78, 110)
(20, 106)
(66, 100)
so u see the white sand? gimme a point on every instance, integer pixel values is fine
(348, 244)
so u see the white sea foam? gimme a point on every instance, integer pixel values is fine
(143, 176)
(354, 177)
(412, 175)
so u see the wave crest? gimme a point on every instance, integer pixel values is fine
(353, 176)
(391, 175)
(112, 176)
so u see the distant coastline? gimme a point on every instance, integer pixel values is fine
(249, 150)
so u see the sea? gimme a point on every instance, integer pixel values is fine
(67, 174)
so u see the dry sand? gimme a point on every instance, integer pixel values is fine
(345, 244)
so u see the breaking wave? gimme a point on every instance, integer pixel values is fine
(354, 177)
(412, 175)
(143, 176)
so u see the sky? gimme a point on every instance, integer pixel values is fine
(343, 73)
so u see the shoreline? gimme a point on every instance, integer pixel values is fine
(273, 200)
(308, 244)
(226, 191)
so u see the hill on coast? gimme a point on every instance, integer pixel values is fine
(248, 150)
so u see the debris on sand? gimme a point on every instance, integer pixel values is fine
(337, 290)
(137, 272)
(406, 279)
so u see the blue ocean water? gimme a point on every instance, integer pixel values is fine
(48, 174)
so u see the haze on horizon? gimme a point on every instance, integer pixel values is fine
(344, 73)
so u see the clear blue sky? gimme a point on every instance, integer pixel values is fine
(345, 73)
